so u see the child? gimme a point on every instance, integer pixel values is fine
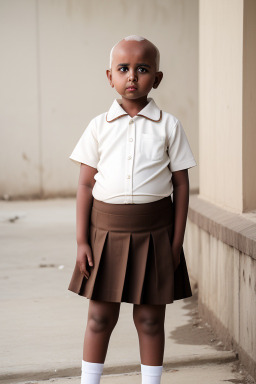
(129, 231)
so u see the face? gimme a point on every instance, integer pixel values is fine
(133, 71)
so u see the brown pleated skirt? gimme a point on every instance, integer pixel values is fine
(133, 263)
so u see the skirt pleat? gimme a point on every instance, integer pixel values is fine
(164, 263)
(133, 262)
(136, 268)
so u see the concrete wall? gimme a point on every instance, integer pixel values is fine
(53, 77)
(20, 165)
(227, 286)
(220, 237)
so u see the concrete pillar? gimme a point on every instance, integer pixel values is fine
(249, 106)
(227, 95)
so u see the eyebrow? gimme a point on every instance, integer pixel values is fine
(139, 64)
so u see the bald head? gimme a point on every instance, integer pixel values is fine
(134, 41)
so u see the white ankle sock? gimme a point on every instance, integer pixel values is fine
(151, 374)
(91, 372)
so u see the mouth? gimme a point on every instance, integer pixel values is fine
(131, 88)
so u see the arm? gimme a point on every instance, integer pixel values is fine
(180, 200)
(83, 211)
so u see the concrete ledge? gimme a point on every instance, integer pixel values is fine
(233, 229)
(221, 248)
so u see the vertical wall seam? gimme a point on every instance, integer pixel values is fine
(39, 102)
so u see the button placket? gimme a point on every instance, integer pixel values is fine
(130, 160)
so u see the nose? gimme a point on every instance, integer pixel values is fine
(132, 75)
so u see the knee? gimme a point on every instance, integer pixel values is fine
(150, 325)
(101, 323)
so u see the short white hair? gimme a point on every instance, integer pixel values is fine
(135, 38)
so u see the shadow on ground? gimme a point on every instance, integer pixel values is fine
(196, 331)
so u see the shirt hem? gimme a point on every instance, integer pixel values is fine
(139, 199)
(185, 165)
(77, 159)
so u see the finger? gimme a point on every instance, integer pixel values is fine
(89, 258)
(84, 271)
(86, 275)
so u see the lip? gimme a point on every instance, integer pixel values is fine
(131, 88)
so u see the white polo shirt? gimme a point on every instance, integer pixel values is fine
(134, 157)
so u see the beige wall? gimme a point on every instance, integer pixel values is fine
(53, 77)
(19, 115)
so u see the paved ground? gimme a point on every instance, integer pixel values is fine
(42, 323)
(204, 374)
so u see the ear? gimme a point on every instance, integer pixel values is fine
(109, 76)
(158, 79)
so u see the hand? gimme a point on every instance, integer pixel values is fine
(84, 253)
(176, 251)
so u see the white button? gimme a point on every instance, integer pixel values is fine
(131, 139)
(128, 176)
(129, 157)
(131, 121)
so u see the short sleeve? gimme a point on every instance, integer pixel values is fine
(180, 154)
(86, 150)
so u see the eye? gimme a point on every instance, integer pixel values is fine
(123, 69)
(142, 70)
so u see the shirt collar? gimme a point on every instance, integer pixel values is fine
(150, 111)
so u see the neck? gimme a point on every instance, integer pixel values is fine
(133, 107)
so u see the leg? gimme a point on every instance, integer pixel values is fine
(102, 318)
(149, 322)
